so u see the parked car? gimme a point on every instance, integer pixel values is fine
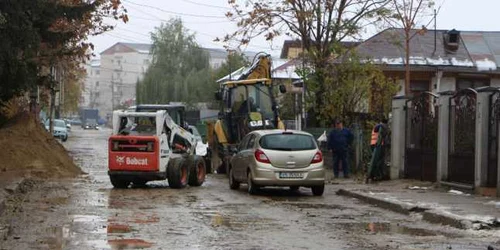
(277, 158)
(90, 124)
(60, 130)
(68, 124)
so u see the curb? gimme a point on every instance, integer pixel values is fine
(429, 215)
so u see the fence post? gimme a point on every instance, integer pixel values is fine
(443, 136)
(482, 129)
(398, 137)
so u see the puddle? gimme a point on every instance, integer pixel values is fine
(87, 218)
(141, 218)
(118, 228)
(390, 228)
(314, 205)
(233, 222)
(129, 244)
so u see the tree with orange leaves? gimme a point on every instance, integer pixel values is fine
(38, 34)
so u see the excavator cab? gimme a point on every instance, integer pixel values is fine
(248, 103)
(245, 107)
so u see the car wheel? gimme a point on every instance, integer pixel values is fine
(117, 182)
(64, 138)
(197, 170)
(233, 184)
(178, 173)
(318, 190)
(294, 188)
(252, 188)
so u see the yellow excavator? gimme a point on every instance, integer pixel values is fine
(245, 104)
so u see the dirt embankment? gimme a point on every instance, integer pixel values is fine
(28, 150)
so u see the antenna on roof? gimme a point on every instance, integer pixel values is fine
(435, 32)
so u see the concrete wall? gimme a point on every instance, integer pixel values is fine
(398, 137)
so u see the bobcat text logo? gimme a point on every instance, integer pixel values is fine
(131, 161)
(135, 161)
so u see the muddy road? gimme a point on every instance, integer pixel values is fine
(87, 213)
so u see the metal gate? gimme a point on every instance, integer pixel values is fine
(494, 117)
(421, 137)
(462, 137)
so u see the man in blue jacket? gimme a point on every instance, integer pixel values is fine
(338, 141)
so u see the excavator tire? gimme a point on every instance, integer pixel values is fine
(197, 170)
(178, 173)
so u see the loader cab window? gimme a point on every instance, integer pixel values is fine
(138, 126)
(145, 126)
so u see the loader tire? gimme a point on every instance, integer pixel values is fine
(197, 170)
(178, 173)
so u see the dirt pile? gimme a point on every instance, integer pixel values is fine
(28, 150)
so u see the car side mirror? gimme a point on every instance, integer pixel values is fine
(282, 88)
(218, 96)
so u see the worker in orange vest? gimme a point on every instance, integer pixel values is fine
(379, 143)
(375, 133)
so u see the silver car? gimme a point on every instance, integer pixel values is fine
(277, 158)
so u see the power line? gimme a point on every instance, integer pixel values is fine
(126, 39)
(173, 12)
(206, 5)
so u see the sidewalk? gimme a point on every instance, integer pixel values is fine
(437, 205)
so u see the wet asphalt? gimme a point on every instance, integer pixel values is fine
(87, 213)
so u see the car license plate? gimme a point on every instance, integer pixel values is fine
(291, 175)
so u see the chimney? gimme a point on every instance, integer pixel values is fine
(452, 40)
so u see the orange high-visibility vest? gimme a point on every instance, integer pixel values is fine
(374, 137)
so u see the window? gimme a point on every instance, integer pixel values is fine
(243, 143)
(251, 142)
(97, 72)
(146, 61)
(419, 86)
(463, 83)
(287, 142)
(97, 84)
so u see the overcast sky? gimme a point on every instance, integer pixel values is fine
(206, 19)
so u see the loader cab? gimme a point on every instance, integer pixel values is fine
(175, 111)
(245, 107)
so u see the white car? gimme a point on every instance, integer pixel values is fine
(60, 129)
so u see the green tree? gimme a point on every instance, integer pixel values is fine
(318, 24)
(234, 61)
(356, 86)
(180, 71)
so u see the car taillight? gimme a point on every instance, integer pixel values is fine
(115, 146)
(150, 147)
(261, 157)
(318, 157)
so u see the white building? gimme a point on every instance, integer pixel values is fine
(90, 89)
(122, 66)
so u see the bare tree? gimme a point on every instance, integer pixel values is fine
(320, 24)
(407, 15)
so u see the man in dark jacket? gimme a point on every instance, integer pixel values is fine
(339, 140)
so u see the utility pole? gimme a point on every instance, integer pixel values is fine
(52, 98)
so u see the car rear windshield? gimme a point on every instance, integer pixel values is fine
(287, 142)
